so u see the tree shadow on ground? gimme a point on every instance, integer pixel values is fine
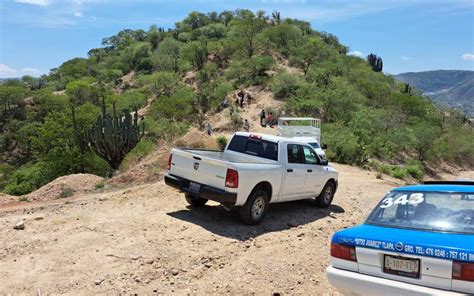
(280, 216)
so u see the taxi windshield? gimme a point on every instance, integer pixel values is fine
(433, 211)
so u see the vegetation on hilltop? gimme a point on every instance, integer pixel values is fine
(366, 114)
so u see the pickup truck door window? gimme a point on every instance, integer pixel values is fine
(295, 173)
(314, 172)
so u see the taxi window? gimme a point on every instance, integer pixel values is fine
(435, 211)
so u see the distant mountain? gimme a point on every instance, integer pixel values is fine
(453, 88)
(2, 80)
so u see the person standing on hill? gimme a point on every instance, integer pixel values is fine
(262, 117)
(270, 119)
(246, 125)
(209, 128)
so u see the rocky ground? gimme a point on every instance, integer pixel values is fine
(145, 240)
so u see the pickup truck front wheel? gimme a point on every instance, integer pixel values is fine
(254, 210)
(194, 200)
(327, 194)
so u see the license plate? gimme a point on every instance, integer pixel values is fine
(403, 266)
(194, 187)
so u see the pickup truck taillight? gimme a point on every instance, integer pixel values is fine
(343, 252)
(169, 161)
(463, 271)
(232, 179)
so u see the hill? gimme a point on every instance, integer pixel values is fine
(177, 79)
(452, 88)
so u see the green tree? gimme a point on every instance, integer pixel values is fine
(246, 33)
(11, 96)
(312, 51)
(80, 92)
(196, 53)
(170, 48)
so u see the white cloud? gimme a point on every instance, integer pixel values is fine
(7, 72)
(31, 72)
(405, 58)
(468, 57)
(78, 14)
(34, 2)
(356, 53)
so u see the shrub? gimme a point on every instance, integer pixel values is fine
(221, 142)
(399, 173)
(27, 178)
(236, 120)
(143, 148)
(415, 169)
(66, 192)
(344, 146)
(100, 184)
(284, 85)
(164, 129)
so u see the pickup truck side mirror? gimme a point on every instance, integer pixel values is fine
(324, 146)
(323, 162)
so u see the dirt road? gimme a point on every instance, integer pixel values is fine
(145, 240)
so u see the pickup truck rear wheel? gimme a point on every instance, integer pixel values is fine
(327, 194)
(194, 200)
(254, 210)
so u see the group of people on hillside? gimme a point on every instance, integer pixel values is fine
(266, 120)
(242, 98)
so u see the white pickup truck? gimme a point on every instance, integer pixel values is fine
(253, 171)
(303, 129)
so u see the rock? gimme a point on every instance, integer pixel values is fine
(98, 281)
(20, 225)
(136, 257)
(149, 261)
(174, 271)
(208, 265)
(103, 198)
(39, 218)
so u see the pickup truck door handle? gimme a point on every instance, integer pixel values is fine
(196, 158)
(309, 171)
(289, 170)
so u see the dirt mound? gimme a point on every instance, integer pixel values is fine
(148, 170)
(5, 198)
(151, 168)
(65, 186)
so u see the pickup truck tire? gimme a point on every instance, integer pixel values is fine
(327, 194)
(255, 208)
(194, 200)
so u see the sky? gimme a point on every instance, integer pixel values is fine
(410, 35)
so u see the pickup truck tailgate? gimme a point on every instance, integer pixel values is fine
(204, 168)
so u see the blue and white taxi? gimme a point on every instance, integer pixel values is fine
(419, 240)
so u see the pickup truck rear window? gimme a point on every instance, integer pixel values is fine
(255, 147)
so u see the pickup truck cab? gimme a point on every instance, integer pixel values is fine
(253, 171)
(313, 142)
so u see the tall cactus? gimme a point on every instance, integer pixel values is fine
(375, 62)
(112, 136)
(407, 88)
